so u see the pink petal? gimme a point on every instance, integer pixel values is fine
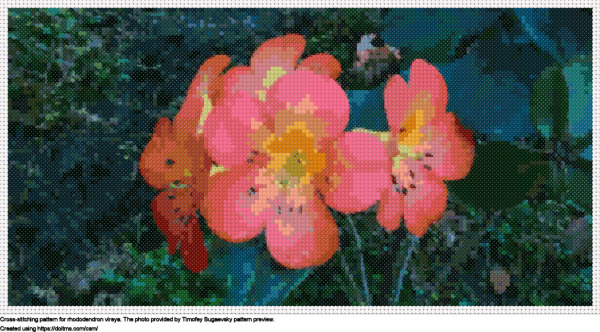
(359, 169)
(391, 209)
(228, 205)
(424, 77)
(426, 85)
(452, 150)
(250, 82)
(228, 128)
(229, 83)
(303, 237)
(425, 204)
(396, 98)
(304, 89)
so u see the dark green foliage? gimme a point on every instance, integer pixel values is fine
(62, 60)
(502, 176)
(550, 103)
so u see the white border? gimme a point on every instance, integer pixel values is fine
(5, 309)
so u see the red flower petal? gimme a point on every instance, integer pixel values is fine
(174, 210)
(193, 251)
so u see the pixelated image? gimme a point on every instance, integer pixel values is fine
(300, 157)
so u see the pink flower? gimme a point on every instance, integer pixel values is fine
(287, 157)
(273, 59)
(426, 146)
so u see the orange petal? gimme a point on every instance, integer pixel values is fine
(167, 159)
(323, 64)
(191, 109)
(284, 51)
(153, 158)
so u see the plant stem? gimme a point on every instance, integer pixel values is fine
(362, 262)
(411, 249)
(357, 294)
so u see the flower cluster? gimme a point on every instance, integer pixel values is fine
(263, 148)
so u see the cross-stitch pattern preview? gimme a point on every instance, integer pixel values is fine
(300, 157)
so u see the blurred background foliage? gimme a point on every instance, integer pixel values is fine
(87, 85)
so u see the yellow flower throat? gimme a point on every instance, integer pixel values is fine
(294, 156)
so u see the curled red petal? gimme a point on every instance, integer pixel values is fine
(193, 250)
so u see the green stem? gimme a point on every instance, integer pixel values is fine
(362, 262)
(403, 272)
(357, 296)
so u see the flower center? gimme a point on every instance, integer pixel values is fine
(294, 156)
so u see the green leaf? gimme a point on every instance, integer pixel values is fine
(252, 276)
(503, 175)
(549, 106)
